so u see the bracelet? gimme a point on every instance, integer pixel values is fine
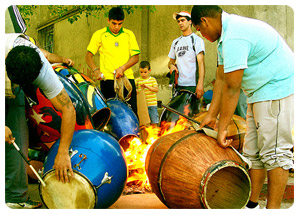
(95, 69)
(101, 77)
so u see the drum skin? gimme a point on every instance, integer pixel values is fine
(103, 155)
(79, 193)
(123, 123)
(187, 169)
(185, 102)
(46, 120)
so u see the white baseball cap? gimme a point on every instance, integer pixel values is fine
(182, 13)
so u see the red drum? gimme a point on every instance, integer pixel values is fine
(46, 120)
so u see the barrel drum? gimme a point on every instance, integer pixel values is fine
(123, 123)
(187, 169)
(236, 126)
(100, 173)
(185, 102)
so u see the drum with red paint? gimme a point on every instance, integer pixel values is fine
(45, 120)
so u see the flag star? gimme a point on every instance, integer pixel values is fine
(37, 117)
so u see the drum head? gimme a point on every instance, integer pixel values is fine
(79, 193)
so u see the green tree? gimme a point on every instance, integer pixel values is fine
(88, 10)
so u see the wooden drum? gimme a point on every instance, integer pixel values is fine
(187, 169)
(237, 126)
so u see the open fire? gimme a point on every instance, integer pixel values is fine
(137, 152)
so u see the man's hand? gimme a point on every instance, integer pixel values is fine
(97, 74)
(209, 120)
(199, 91)
(62, 165)
(67, 61)
(119, 72)
(222, 141)
(173, 68)
(9, 138)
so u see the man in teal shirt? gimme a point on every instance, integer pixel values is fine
(253, 56)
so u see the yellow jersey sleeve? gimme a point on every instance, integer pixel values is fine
(95, 42)
(134, 47)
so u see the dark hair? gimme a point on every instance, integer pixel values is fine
(23, 65)
(145, 64)
(187, 18)
(199, 11)
(116, 13)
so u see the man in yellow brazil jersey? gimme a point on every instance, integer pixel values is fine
(118, 50)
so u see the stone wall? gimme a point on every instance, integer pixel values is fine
(155, 32)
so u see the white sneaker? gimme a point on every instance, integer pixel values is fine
(29, 204)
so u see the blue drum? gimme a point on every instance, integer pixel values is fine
(123, 124)
(96, 102)
(100, 173)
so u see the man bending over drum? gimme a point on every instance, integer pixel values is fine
(248, 49)
(26, 64)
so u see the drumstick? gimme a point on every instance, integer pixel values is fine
(31, 167)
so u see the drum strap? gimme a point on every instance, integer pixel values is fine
(197, 66)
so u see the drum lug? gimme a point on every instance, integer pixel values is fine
(83, 156)
(72, 152)
(106, 180)
(31, 102)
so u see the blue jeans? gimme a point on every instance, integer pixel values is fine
(153, 114)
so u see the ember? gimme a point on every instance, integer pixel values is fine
(137, 181)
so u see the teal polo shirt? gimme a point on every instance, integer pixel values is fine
(257, 48)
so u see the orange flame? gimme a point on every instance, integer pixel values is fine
(137, 151)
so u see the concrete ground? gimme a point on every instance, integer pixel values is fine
(150, 200)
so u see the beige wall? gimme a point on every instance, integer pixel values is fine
(155, 33)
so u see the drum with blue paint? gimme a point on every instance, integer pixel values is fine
(96, 101)
(123, 123)
(100, 173)
(97, 104)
